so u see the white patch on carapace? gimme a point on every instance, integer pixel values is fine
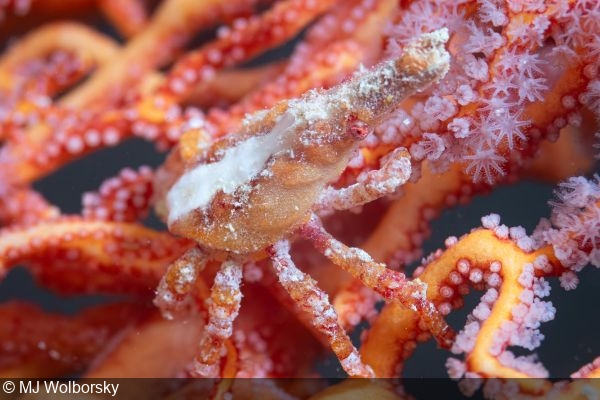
(196, 188)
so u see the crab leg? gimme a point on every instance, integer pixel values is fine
(223, 307)
(394, 172)
(181, 286)
(390, 284)
(305, 292)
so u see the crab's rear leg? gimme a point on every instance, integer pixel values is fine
(305, 292)
(391, 285)
(182, 289)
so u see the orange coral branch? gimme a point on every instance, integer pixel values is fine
(38, 344)
(76, 249)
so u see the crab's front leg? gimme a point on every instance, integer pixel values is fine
(391, 285)
(394, 172)
(307, 295)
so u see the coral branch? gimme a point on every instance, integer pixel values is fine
(39, 344)
(75, 249)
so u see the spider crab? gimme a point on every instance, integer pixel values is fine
(246, 196)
